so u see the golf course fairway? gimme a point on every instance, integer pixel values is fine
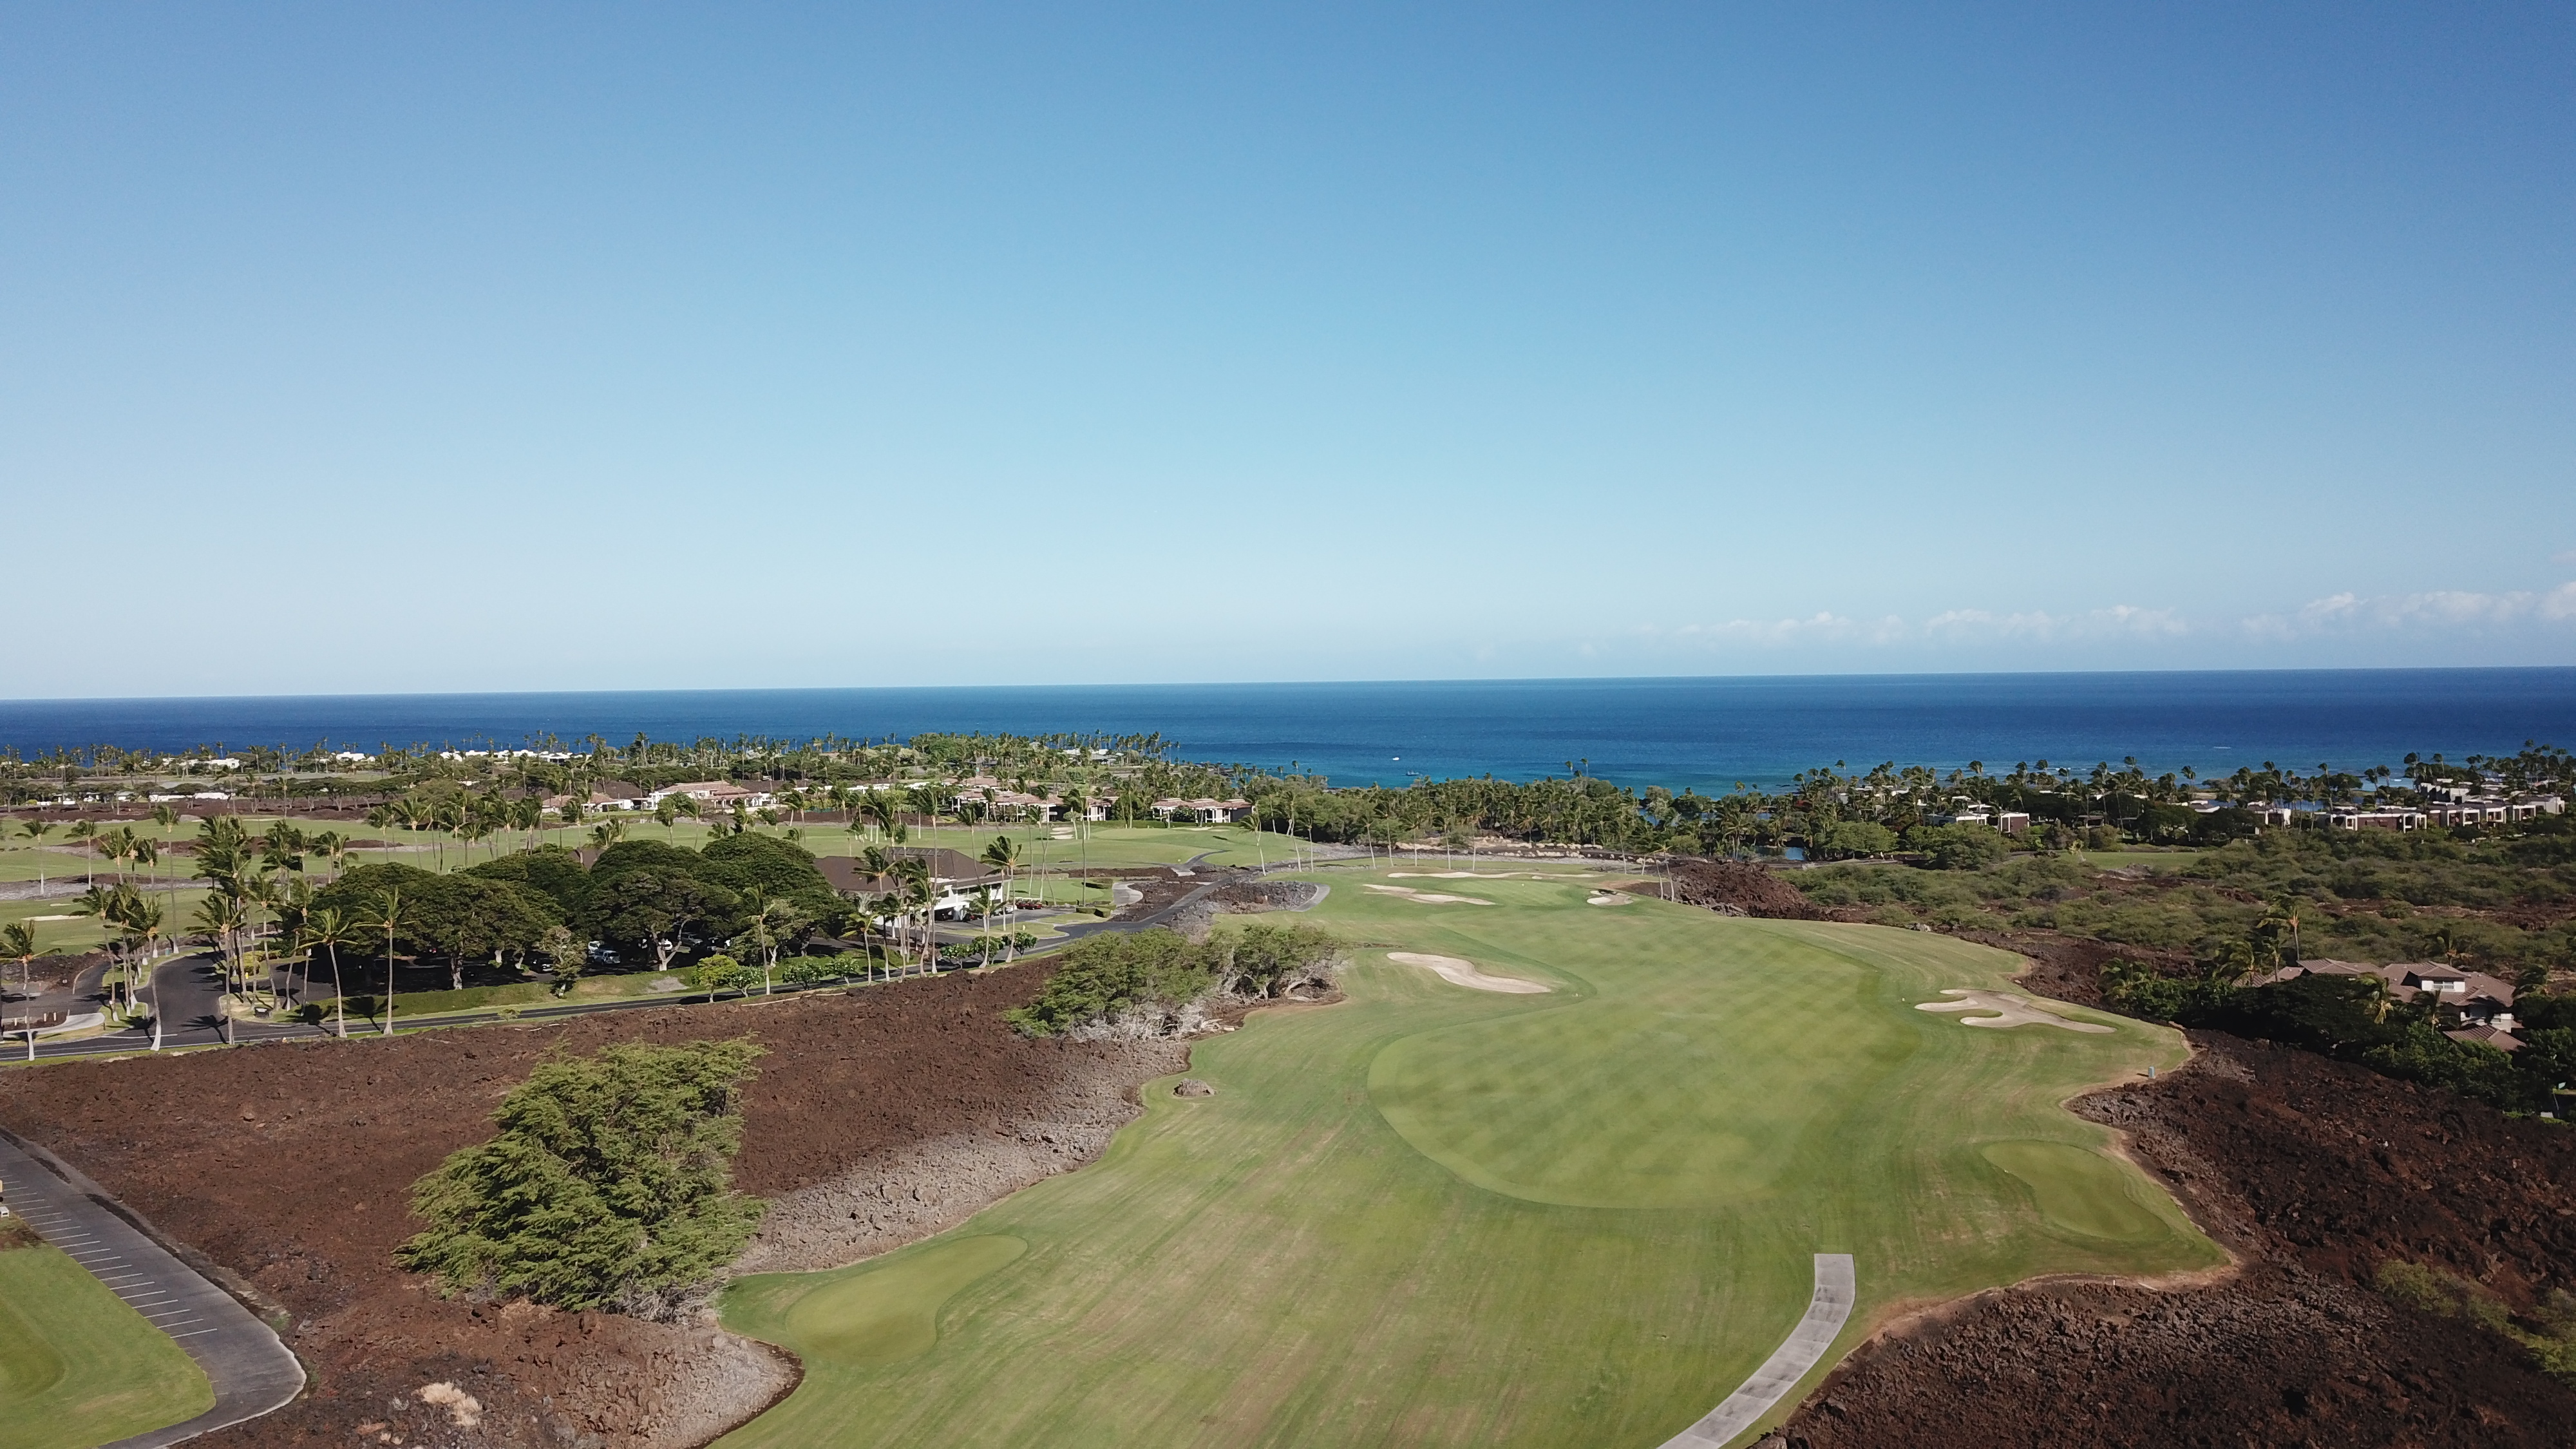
(1437, 1215)
(77, 1366)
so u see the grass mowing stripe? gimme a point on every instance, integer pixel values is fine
(1434, 1215)
(80, 1367)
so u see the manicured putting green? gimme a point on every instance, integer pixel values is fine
(1432, 1215)
(77, 1366)
(2078, 1190)
(889, 1310)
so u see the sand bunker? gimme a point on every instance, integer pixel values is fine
(1609, 898)
(1426, 897)
(1464, 973)
(1477, 875)
(2009, 1010)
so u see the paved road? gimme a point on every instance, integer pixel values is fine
(251, 1370)
(1827, 1310)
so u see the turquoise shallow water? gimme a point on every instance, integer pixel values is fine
(1707, 733)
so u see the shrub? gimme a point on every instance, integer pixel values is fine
(721, 972)
(1106, 975)
(806, 970)
(2549, 1334)
(1859, 837)
(1265, 960)
(2444, 1295)
(1958, 847)
(610, 1178)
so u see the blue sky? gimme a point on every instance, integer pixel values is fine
(457, 347)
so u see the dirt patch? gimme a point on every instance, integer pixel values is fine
(877, 1118)
(2313, 1171)
(1743, 890)
(2069, 968)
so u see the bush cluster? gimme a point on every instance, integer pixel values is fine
(2353, 1018)
(1106, 976)
(2548, 1333)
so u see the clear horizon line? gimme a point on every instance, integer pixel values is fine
(6, 701)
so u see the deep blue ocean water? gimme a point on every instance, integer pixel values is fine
(1704, 733)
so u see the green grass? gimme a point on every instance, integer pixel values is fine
(77, 1366)
(1437, 1216)
(2152, 859)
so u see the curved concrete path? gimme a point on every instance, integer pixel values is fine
(1827, 1310)
(251, 1370)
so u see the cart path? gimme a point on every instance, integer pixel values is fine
(1836, 1285)
(251, 1370)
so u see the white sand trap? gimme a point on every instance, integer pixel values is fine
(1464, 973)
(2009, 1010)
(1426, 897)
(1479, 875)
(1609, 898)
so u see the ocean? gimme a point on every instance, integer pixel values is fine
(1707, 734)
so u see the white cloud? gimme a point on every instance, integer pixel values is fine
(1948, 626)
(2348, 614)
(2435, 611)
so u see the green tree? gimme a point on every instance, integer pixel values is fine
(719, 972)
(776, 925)
(566, 955)
(609, 1177)
(658, 910)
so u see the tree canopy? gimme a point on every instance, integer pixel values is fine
(610, 1176)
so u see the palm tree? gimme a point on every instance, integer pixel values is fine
(223, 916)
(388, 919)
(18, 942)
(887, 908)
(332, 846)
(108, 904)
(981, 903)
(148, 855)
(930, 801)
(882, 809)
(328, 929)
(143, 924)
(667, 815)
(36, 831)
(771, 927)
(1002, 855)
(919, 894)
(116, 846)
(606, 833)
(79, 833)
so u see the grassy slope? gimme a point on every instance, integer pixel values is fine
(77, 1366)
(1660, 1145)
